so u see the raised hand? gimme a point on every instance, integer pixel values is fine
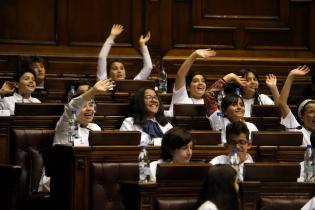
(300, 71)
(271, 80)
(233, 78)
(204, 53)
(144, 40)
(103, 86)
(7, 87)
(116, 30)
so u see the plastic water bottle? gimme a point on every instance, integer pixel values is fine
(144, 165)
(221, 95)
(308, 164)
(163, 80)
(73, 128)
(71, 93)
(234, 160)
(238, 92)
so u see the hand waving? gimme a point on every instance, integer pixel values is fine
(271, 80)
(300, 71)
(144, 40)
(116, 30)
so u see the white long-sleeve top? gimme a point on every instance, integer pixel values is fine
(8, 103)
(62, 127)
(264, 100)
(216, 124)
(128, 125)
(290, 122)
(180, 96)
(224, 159)
(101, 73)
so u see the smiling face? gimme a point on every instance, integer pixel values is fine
(236, 110)
(26, 84)
(183, 154)
(151, 102)
(241, 142)
(86, 114)
(251, 86)
(117, 71)
(308, 116)
(197, 86)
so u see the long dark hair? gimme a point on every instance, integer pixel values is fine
(139, 112)
(228, 100)
(244, 73)
(219, 188)
(174, 139)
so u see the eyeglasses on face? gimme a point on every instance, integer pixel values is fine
(149, 98)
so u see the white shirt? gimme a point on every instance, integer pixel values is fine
(8, 103)
(310, 205)
(180, 96)
(128, 125)
(216, 124)
(208, 205)
(290, 122)
(224, 159)
(153, 166)
(61, 130)
(264, 100)
(101, 73)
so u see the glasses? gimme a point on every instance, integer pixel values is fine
(150, 98)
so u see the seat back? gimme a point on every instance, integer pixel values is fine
(114, 138)
(277, 138)
(271, 172)
(27, 146)
(104, 190)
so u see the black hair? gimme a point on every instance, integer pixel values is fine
(191, 75)
(219, 188)
(110, 63)
(139, 112)
(236, 128)
(81, 81)
(28, 61)
(174, 139)
(230, 99)
(22, 71)
(244, 73)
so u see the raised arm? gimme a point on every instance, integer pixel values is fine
(185, 67)
(283, 98)
(147, 63)
(99, 88)
(271, 82)
(7, 87)
(211, 95)
(101, 73)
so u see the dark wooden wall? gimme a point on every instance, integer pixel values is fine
(272, 35)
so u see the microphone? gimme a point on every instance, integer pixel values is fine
(297, 128)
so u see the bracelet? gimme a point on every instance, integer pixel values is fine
(224, 81)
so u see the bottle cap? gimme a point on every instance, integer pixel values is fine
(73, 110)
(143, 145)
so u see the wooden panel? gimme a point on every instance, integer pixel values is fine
(32, 22)
(92, 25)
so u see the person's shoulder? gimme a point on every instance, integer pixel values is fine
(221, 159)
(208, 205)
(251, 126)
(94, 127)
(128, 120)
